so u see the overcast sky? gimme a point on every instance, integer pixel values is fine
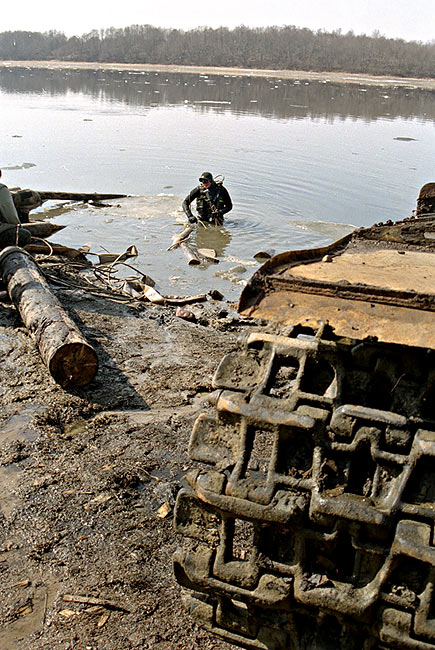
(392, 18)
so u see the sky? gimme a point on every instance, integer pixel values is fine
(411, 21)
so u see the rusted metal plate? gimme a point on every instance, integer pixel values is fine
(349, 318)
(378, 282)
(411, 271)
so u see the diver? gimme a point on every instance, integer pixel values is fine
(212, 201)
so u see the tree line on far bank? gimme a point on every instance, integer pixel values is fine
(279, 48)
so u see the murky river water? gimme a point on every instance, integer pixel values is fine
(304, 162)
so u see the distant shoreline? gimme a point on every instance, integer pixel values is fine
(333, 77)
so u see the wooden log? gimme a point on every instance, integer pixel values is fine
(190, 254)
(182, 236)
(42, 229)
(69, 358)
(78, 196)
(196, 256)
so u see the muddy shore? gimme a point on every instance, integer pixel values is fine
(89, 477)
(333, 77)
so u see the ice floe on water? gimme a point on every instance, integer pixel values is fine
(24, 165)
(211, 101)
(327, 229)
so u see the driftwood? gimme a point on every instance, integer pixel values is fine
(42, 229)
(139, 290)
(69, 358)
(57, 249)
(78, 196)
(182, 236)
(191, 255)
(195, 256)
(91, 600)
(185, 300)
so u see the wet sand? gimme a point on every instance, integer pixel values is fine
(333, 77)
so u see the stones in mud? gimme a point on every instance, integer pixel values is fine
(186, 314)
(215, 294)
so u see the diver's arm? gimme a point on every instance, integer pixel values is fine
(228, 204)
(193, 194)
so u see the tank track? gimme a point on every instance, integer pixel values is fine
(309, 523)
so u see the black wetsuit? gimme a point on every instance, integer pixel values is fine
(211, 203)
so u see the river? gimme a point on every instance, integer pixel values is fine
(304, 161)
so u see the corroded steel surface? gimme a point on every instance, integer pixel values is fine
(309, 523)
(378, 282)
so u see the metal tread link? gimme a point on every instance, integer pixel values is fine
(314, 528)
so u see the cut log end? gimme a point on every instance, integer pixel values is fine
(74, 365)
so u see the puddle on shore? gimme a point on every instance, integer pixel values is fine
(10, 478)
(32, 596)
(20, 427)
(31, 616)
(76, 427)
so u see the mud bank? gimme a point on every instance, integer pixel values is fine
(88, 478)
(333, 77)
